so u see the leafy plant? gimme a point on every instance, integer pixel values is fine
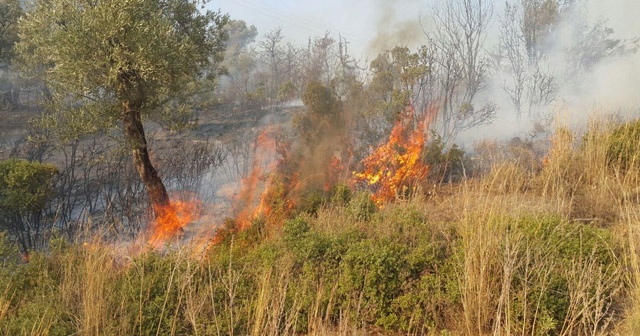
(26, 188)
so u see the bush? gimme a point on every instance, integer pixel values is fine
(149, 290)
(561, 270)
(445, 165)
(361, 206)
(26, 188)
(371, 277)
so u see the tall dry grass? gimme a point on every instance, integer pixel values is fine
(522, 250)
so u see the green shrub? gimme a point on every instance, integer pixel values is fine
(430, 289)
(26, 188)
(372, 274)
(445, 164)
(37, 304)
(341, 195)
(306, 245)
(312, 201)
(361, 206)
(555, 259)
(149, 291)
(404, 224)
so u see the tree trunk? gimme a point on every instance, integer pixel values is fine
(134, 134)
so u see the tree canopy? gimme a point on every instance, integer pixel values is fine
(111, 61)
(10, 11)
(88, 50)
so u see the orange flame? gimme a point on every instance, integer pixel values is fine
(336, 168)
(246, 198)
(263, 162)
(396, 167)
(172, 219)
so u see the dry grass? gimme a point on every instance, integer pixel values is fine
(503, 234)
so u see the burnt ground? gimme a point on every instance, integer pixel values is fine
(13, 127)
(211, 125)
(232, 132)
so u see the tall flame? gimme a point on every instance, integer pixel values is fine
(250, 199)
(396, 167)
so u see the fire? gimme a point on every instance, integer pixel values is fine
(334, 171)
(396, 167)
(256, 184)
(172, 219)
(246, 198)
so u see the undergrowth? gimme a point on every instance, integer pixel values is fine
(521, 250)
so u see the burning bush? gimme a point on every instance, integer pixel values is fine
(396, 167)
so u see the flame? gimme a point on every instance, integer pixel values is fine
(396, 167)
(172, 219)
(336, 168)
(251, 191)
(246, 198)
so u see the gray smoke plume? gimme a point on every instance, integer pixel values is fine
(392, 29)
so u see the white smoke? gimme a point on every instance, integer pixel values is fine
(609, 85)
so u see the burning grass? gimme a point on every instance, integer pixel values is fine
(499, 254)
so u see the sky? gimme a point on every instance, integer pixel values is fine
(370, 26)
(361, 22)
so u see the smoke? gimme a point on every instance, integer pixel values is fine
(612, 82)
(591, 56)
(394, 27)
(621, 15)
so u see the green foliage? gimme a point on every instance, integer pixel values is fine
(395, 72)
(257, 98)
(427, 300)
(286, 91)
(37, 306)
(9, 255)
(320, 100)
(361, 206)
(150, 290)
(397, 270)
(561, 250)
(312, 201)
(624, 145)
(10, 12)
(323, 115)
(95, 56)
(341, 195)
(445, 164)
(25, 187)
(372, 276)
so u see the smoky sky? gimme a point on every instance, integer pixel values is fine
(372, 26)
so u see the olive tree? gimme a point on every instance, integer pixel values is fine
(113, 62)
(10, 11)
